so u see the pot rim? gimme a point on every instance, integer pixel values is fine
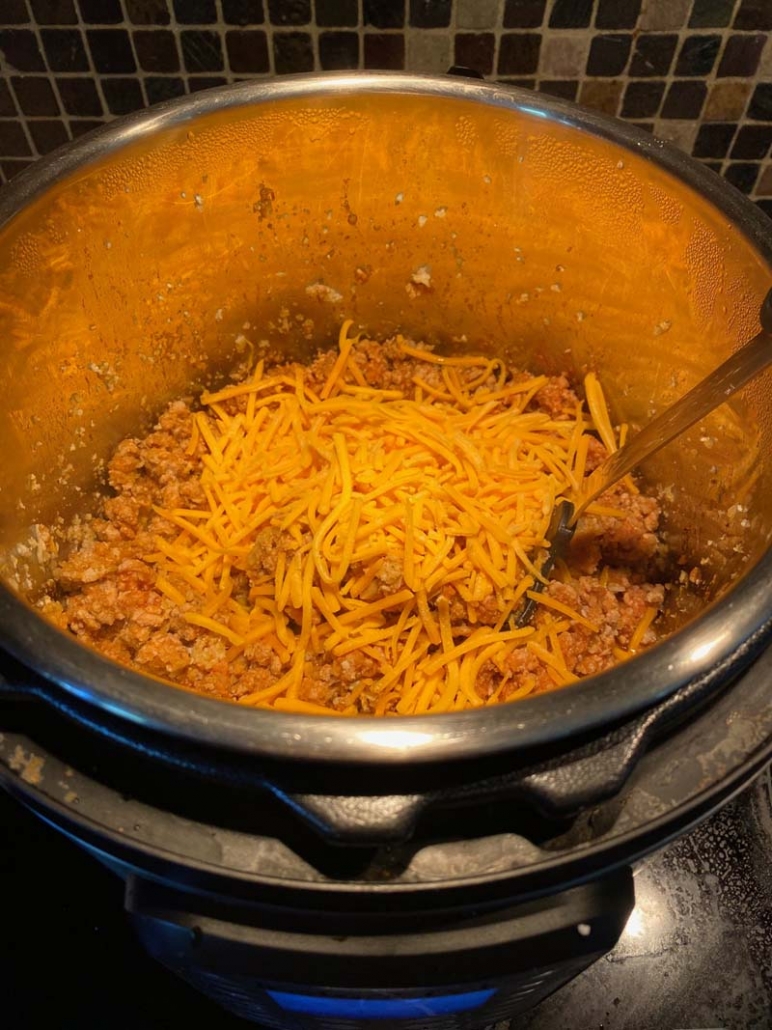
(695, 651)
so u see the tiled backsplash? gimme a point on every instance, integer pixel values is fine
(698, 72)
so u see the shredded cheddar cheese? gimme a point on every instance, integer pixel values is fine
(397, 520)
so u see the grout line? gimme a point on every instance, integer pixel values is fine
(51, 76)
(138, 73)
(97, 79)
(21, 118)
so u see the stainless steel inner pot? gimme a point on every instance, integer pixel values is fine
(138, 264)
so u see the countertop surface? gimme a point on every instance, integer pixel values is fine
(697, 952)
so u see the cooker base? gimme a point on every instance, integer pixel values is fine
(455, 970)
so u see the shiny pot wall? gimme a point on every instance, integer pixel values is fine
(142, 262)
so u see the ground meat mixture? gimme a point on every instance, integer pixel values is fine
(112, 593)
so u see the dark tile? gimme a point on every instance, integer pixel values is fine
(65, 50)
(20, 50)
(753, 14)
(122, 95)
(48, 135)
(201, 50)
(198, 82)
(519, 83)
(564, 88)
(100, 12)
(430, 14)
(760, 106)
(385, 51)
(12, 168)
(684, 100)
(54, 12)
(653, 54)
(81, 126)
(609, 53)
(742, 175)
(147, 12)
(7, 106)
(292, 52)
(384, 14)
(111, 50)
(697, 55)
(243, 12)
(13, 142)
(475, 50)
(647, 126)
(524, 14)
(289, 12)
(765, 206)
(570, 14)
(753, 141)
(336, 12)
(35, 95)
(159, 89)
(79, 96)
(711, 14)
(714, 139)
(617, 14)
(15, 12)
(195, 12)
(156, 50)
(247, 51)
(338, 50)
(741, 55)
(519, 53)
(642, 99)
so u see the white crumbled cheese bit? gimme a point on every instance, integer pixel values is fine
(198, 200)
(580, 316)
(555, 287)
(662, 327)
(440, 212)
(218, 315)
(422, 276)
(323, 292)
(422, 220)
(399, 198)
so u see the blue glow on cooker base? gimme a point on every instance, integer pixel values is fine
(381, 1008)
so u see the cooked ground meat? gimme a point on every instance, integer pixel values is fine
(110, 594)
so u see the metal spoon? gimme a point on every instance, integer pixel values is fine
(746, 363)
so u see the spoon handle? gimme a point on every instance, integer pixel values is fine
(752, 358)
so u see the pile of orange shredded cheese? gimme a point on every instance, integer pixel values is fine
(450, 483)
